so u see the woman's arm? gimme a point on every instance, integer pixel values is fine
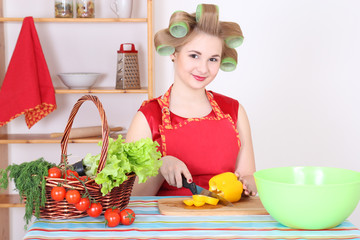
(171, 169)
(245, 164)
(139, 128)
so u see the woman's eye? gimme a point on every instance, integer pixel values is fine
(213, 60)
(194, 56)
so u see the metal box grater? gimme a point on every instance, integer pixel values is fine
(127, 72)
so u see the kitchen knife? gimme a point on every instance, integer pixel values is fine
(195, 189)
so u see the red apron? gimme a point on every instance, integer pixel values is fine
(207, 145)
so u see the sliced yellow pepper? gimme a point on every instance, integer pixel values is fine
(199, 203)
(199, 200)
(226, 185)
(199, 197)
(211, 200)
(188, 202)
(206, 199)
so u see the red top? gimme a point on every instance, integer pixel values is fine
(208, 145)
(152, 111)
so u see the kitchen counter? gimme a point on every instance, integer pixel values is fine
(150, 224)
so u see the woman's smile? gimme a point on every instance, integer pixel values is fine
(198, 78)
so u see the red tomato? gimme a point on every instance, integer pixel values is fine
(70, 174)
(84, 178)
(54, 172)
(95, 210)
(58, 193)
(127, 216)
(83, 204)
(109, 210)
(112, 219)
(73, 196)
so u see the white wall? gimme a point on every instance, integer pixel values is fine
(297, 77)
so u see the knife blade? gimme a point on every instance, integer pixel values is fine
(195, 189)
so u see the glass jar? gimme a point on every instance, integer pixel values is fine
(63, 8)
(85, 8)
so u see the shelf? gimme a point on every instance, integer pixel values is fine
(101, 90)
(79, 20)
(45, 138)
(10, 200)
(13, 200)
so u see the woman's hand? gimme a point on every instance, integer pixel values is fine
(171, 170)
(249, 185)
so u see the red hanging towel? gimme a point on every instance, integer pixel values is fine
(27, 87)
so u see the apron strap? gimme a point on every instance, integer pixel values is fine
(217, 110)
(164, 103)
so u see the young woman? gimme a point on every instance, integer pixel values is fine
(200, 133)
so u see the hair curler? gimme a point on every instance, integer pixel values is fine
(234, 41)
(207, 18)
(229, 60)
(165, 50)
(200, 10)
(232, 34)
(164, 42)
(228, 64)
(179, 24)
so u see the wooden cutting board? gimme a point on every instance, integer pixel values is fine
(246, 206)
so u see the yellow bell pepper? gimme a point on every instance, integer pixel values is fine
(226, 185)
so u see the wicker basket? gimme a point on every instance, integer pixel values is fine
(118, 197)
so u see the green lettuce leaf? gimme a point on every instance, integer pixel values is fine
(141, 157)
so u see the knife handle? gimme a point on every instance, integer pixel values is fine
(190, 186)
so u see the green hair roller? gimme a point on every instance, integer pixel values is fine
(199, 10)
(165, 50)
(179, 29)
(228, 64)
(234, 41)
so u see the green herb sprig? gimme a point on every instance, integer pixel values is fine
(29, 179)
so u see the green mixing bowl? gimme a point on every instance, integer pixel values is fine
(308, 197)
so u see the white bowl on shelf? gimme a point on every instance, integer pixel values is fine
(79, 80)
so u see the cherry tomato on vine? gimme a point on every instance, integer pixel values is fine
(70, 174)
(54, 172)
(112, 219)
(58, 193)
(84, 178)
(110, 210)
(127, 216)
(83, 204)
(73, 196)
(95, 210)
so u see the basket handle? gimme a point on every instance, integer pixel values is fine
(105, 130)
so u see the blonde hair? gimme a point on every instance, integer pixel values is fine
(184, 26)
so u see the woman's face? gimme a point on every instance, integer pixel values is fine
(198, 62)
